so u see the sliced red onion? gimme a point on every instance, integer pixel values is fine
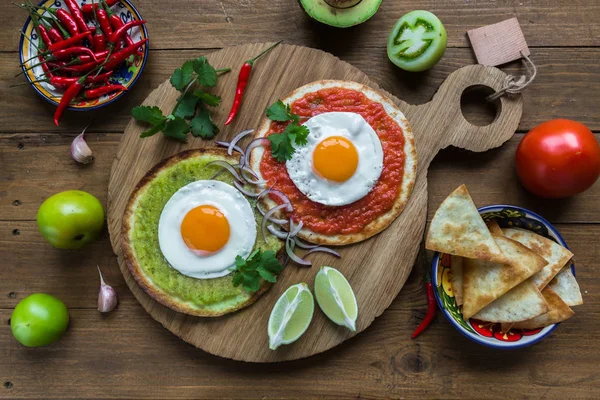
(294, 229)
(277, 233)
(237, 138)
(224, 164)
(255, 143)
(236, 148)
(256, 181)
(244, 191)
(268, 218)
(282, 197)
(304, 245)
(322, 250)
(289, 249)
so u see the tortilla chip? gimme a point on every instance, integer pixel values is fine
(458, 229)
(565, 285)
(556, 255)
(456, 278)
(522, 302)
(484, 281)
(494, 228)
(558, 311)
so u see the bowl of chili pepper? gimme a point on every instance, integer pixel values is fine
(82, 57)
(496, 335)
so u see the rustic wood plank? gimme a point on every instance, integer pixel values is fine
(210, 24)
(566, 87)
(35, 166)
(127, 354)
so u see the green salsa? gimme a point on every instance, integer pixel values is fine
(212, 294)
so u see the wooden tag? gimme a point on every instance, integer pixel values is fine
(499, 43)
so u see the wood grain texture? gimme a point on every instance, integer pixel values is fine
(127, 355)
(215, 24)
(436, 125)
(566, 87)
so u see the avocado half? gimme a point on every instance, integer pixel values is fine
(341, 13)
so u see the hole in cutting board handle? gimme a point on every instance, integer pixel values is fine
(476, 109)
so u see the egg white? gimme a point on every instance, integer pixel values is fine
(353, 127)
(232, 204)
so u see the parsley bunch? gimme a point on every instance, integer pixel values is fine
(281, 143)
(259, 264)
(191, 105)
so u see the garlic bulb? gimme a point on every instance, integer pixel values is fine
(107, 298)
(80, 151)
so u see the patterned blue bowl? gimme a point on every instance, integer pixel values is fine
(486, 333)
(126, 74)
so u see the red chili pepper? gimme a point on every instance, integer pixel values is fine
(122, 30)
(64, 82)
(45, 68)
(77, 15)
(44, 35)
(102, 17)
(243, 78)
(101, 91)
(116, 23)
(54, 34)
(71, 92)
(431, 307)
(65, 54)
(102, 54)
(82, 67)
(119, 57)
(67, 21)
(98, 40)
(72, 41)
(88, 9)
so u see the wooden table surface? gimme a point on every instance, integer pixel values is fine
(126, 354)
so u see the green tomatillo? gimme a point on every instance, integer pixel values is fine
(417, 42)
(70, 219)
(39, 320)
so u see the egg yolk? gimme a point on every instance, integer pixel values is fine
(335, 159)
(205, 229)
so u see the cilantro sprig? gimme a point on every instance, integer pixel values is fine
(191, 105)
(259, 264)
(282, 144)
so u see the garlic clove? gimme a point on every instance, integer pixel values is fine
(80, 151)
(107, 297)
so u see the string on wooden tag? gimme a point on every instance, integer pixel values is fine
(514, 85)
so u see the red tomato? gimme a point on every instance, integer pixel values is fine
(558, 158)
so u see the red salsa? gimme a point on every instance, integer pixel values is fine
(351, 218)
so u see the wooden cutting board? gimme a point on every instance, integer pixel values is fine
(376, 268)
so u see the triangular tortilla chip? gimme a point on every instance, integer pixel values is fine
(484, 281)
(565, 285)
(558, 312)
(522, 302)
(494, 228)
(458, 229)
(556, 255)
(456, 278)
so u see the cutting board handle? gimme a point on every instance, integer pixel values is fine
(441, 123)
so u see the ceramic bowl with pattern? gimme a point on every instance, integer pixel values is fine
(487, 333)
(126, 74)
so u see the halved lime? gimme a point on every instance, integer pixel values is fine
(291, 315)
(336, 298)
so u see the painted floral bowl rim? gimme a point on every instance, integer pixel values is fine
(525, 220)
(125, 75)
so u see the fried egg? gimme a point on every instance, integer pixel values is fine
(341, 162)
(204, 226)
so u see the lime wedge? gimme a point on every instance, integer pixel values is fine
(336, 298)
(291, 315)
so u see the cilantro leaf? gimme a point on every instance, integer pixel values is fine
(183, 76)
(154, 130)
(279, 112)
(249, 272)
(176, 128)
(207, 98)
(207, 75)
(187, 106)
(202, 125)
(281, 143)
(151, 115)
